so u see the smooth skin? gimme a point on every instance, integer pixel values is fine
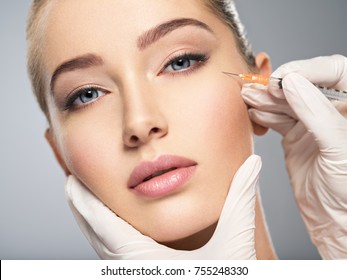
(145, 105)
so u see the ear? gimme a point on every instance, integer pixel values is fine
(263, 65)
(52, 142)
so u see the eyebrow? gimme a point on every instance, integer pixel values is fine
(157, 32)
(80, 62)
(143, 41)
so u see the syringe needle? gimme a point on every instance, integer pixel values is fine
(232, 74)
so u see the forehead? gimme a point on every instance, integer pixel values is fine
(83, 26)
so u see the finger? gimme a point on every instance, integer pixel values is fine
(259, 98)
(278, 122)
(319, 116)
(113, 231)
(88, 232)
(328, 71)
(235, 228)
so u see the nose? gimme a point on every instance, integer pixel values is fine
(143, 120)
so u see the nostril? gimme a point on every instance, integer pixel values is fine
(141, 136)
(155, 130)
(134, 139)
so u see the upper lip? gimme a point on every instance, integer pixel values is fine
(163, 164)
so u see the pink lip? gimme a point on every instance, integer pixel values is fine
(177, 171)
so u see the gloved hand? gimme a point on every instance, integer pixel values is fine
(314, 142)
(113, 238)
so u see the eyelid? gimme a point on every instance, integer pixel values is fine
(73, 95)
(199, 56)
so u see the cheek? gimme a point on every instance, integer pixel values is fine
(93, 149)
(227, 130)
(215, 115)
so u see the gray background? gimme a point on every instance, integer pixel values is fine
(35, 220)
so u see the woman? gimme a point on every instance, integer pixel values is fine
(141, 114)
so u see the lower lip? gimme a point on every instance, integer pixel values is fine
(166, 183)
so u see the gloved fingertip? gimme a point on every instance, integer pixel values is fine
(297, 88)
(68, 186)
(77, 193)
(254, 160)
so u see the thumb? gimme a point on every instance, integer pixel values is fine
(318, 115)
(110, 236)
(235, 229)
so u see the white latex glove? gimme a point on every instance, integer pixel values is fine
(113, 238)
(314, 142)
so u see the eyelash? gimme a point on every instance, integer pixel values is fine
(198, 57)
(77, 93)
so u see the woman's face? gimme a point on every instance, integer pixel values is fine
(141, 112)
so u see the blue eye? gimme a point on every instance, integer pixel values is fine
(83, 97)
(181, 63)
(184, 62)
(87, 95)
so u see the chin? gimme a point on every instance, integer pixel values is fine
(193, 240)
(183, 233)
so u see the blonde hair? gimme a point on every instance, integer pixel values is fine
(34, 64)
(225, 9)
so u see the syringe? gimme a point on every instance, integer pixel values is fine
(330, 93)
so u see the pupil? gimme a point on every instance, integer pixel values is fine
(181, 63)
(88, 95)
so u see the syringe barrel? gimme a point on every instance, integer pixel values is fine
(255, 78)
(333, 94)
